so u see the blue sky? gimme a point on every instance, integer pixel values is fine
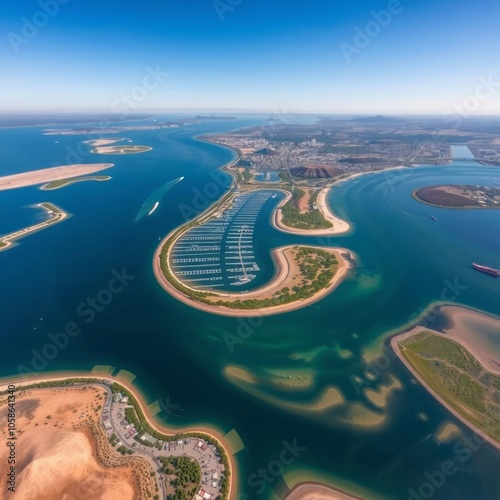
(266, 55)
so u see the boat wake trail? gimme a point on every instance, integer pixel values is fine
(153, 201)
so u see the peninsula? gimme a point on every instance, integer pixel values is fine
(459, 370)
(66, 182)
(35, 177)
(55, 215)
(216, 250)
(304, 275)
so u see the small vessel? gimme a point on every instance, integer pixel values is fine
(155, 206)
(486, 270)
(244, 279)
(434, 218)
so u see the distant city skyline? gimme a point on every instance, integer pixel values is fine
(376, 57)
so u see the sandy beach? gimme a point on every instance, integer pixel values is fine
(413, 331)
(42, 176)
(339, 226)
(317, 491)
(9, 240)
(103, 142)
(463, 321)
(63, 456)
(285, 268)
(19, 381)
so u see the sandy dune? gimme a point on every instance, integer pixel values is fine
(57, 450)
(63, 466)
(42, 176)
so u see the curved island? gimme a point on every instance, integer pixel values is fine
(209, 263)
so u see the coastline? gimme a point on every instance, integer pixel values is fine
(20, 381)
(339, 226)
(279, 259)
(317, 491)
(415, 196)
(9, 240)
(71, 180)
(35, 177)
(458, 315)
(283, 269)
(394, 342)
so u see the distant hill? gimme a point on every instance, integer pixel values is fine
(214, 117)
(267, 151)
(311, 171)
(376, 119)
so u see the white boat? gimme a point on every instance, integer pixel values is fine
(243, 280)
(155, 206)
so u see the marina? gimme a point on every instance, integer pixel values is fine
(224, 246)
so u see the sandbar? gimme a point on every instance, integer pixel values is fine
(35, 177)
(66, 182)
(462, 322)
(120, 150)
(55, 215)
(103, 142)
(447, 432)
(329, 398)
(378, 397)
(317, 491)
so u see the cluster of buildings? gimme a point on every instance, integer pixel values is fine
(487, 151)
(351, 150)
(206, 455)
(433, 153)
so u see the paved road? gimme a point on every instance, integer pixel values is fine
(207, 459)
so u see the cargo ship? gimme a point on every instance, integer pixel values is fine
(487, 270)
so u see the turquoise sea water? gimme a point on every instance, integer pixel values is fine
(404, 262)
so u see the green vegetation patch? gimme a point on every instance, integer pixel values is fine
(458, 377)
(313, 219)
(185, 476)
(65, 182)
(317, 267)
